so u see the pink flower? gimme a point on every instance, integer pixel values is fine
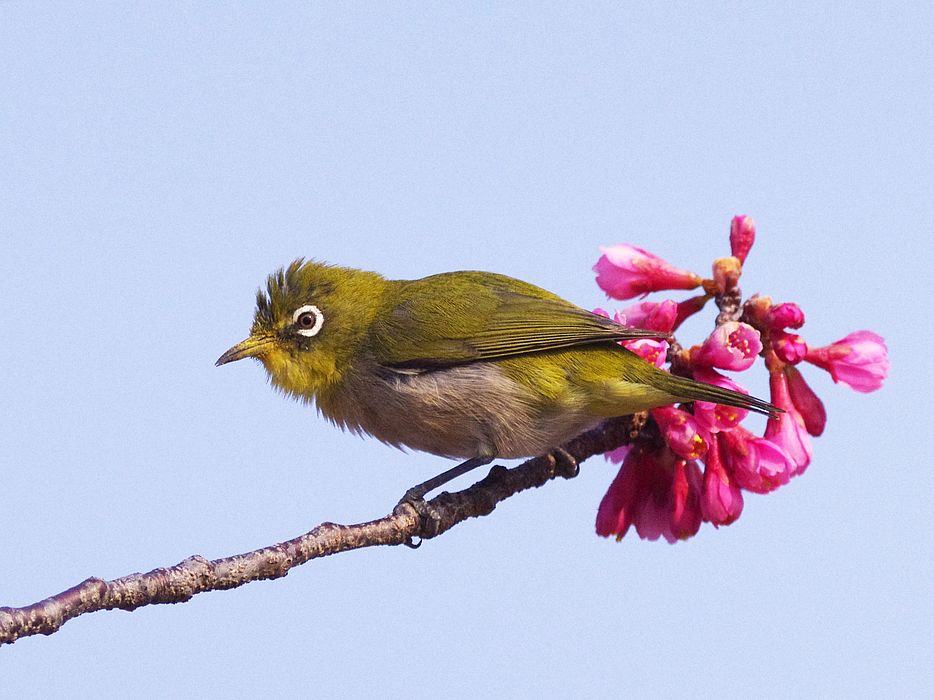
(733, 345)
(742, 236)
(655, 492)
(715, 417)
(614, 516)
(789, 347)
(653, 316)
(806, 401)
(652, 351)
(681, 432)
(721, 501)
(787, 315)
(788, 431)
(756, 464)
(625, 271)
(686, 510)
(859, 360)
(640, 495)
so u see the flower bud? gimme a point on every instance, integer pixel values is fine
(651, 315)
(806, 401)
(685, 489)
(788, 431)
(789, 347)
(787, 315)
(726, 272)
(742, 236)
(721, 501)
(625, 271)
(688, 308)
(859, 360)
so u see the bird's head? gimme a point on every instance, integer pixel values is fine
(309, 323)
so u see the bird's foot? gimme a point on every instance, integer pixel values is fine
(564, 463)
(429, 519)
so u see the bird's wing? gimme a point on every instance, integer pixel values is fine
(456, 318)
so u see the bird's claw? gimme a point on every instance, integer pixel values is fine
(564, 462)
(428, 516)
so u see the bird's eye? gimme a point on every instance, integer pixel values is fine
(308, 320)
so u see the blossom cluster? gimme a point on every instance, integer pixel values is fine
(661, 488)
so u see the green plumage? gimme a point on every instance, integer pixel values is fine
(459, 317)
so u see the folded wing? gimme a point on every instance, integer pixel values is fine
(456, 318)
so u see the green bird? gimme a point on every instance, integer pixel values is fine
(467, 365)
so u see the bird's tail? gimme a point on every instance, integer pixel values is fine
(691, 390)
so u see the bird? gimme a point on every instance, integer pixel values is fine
(466, 365)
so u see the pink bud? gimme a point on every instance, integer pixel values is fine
(686, 510)
(742, 236)
(788, 431)
(859, 360)
(653, 316)
(654, 352)
(722, 501)
(789, 347)
(625, 271)
(733, 345)
(688, 308)
(787, 315)
(806, 401)
(726, 272)
(715, 417)
(681, 432)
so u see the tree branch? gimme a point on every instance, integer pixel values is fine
(179, 583)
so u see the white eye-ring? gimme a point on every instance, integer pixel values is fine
(308, 320)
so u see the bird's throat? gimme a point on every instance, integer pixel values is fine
(303, 375)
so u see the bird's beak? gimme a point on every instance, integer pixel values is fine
(254, 346)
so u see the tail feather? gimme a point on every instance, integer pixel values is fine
(691, 390)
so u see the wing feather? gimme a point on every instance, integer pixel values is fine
(462, 317)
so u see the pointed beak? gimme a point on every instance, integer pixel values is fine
(254, 346)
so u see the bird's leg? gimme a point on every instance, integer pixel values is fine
(417, 494)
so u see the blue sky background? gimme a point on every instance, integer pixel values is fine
(159, 159)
